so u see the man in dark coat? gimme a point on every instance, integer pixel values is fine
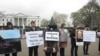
(35, 48)
(74, 48)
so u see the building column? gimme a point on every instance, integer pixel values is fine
(18, 21)
(23, 23)
(12, 20)
(38, 22)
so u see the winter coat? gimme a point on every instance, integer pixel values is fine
(64, 35)
(52, 27)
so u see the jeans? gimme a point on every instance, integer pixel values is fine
(86, 47)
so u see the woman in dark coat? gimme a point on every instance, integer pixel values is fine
(51, 47)
(33, 48)
(64, 35)
(10, 26)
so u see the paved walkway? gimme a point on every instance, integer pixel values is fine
(93, 50)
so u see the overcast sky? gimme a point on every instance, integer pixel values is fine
(43, 8)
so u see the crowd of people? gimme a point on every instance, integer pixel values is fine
(51, 47)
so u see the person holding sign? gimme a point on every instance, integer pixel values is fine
(35, 48)
(74, 47)
(9, 27)
(50, 45)
(63, 39)
(86, 44)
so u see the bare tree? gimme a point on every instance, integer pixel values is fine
(44, 22)
(59, 18)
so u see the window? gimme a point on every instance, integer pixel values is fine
(16, 21)
(20, 22)
(25, 21)
(15, 18)
(38, 24)
(10, 20)
(2, 19)
(35, 20)
(6, 19)
(38, 20)
(28, 20)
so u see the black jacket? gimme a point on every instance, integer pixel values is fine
(51, 44)
(72, 36)
(31, 29)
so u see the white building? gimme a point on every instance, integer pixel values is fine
(19, 19)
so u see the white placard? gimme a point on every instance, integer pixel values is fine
(79, 43)
(89, 36)
(34, 38)
(52, 36)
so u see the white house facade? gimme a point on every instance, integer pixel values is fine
(19, 19)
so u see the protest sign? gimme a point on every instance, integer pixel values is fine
(8, 34)
(89, 36)
(34, 38)
(79, 37)
(52, 36)
(79, 34)
(10, 41)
